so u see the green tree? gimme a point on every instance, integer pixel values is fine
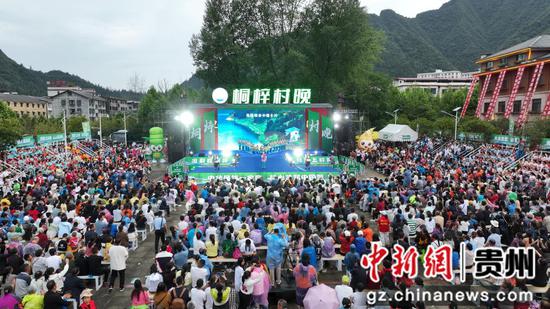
(74, 124)
(10, 127)
(326, 45)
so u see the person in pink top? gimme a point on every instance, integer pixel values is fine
(139, 297)
(261, 288)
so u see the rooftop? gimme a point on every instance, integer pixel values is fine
(539, 42)
(22, 98)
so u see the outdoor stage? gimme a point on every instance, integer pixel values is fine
(250, 166)
(286, 132)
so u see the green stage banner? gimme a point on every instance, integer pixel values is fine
(313, 129)
(43, 139)
(315, 160)
(506, 139)
(468, 136)
(327, 128)
(206, 177)
(545, 144)
(75, 136)
(25, 141)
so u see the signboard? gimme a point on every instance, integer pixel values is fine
(25, 141)
(506, 139)
(86, 126)
(264, 96)
(75, 136)
(474, 137)
(545, 144)
(50, 138)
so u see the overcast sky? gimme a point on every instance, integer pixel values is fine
(108, 41)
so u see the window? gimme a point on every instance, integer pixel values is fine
(63, 103)
(27, 105)
(486, 107)
(503, 61)
(521, 57)
(501, 107)
(517, 107)
(536, 106)
(79, 110)
(489, 65)
(70, 94)
(71, 103)
(434, 90)
(78, 103)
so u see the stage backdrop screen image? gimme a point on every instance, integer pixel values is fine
(232, 128)
(265, 127)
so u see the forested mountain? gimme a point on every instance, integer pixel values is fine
(454, 36)
(15, 77)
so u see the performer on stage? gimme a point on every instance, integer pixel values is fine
(264, 160)
(308, 161)
(216, 162)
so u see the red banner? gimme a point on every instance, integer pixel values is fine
(469, 96)
(486, 83)
(496, 92)
(514, 93)
(529, 96)
(546, 111)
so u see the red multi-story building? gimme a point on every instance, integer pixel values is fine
(515, 82)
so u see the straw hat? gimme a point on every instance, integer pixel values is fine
(86, 293)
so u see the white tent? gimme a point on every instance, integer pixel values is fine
(398, 133)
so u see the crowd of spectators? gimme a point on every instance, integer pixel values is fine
(80, 219)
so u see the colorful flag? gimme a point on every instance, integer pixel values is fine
(514, 93)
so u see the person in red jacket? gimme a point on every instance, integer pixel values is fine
(87, 302)
(384, 228)
(346, 239)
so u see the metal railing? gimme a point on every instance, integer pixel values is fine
(12, 169)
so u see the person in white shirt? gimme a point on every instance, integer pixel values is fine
(53, 261)
(197, 295)
(343, 290)
(212, 230)
(198, 272)
(118, 256)
(152, 281)
(182, 225)
(198, 244)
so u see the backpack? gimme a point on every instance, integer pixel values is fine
(177, 300)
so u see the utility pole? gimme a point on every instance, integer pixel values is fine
(125, 132)
(100, 133)
(65, 131)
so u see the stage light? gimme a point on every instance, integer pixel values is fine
(226, 152)
(288, 157)
(298, 152)
(336, 126)
(315, 152)
(210, 152)
(186, 118)
(347, 117)
(336, 116)
(190, 152)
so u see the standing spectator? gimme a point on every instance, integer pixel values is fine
(276, 243)
(118, 255)
(305, 276)
(159, 224)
